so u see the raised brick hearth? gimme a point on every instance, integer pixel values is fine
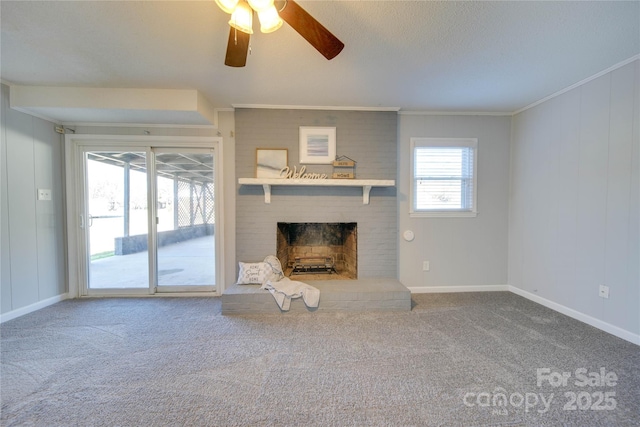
(335, 295)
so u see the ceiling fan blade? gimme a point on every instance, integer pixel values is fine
(313, 31)
(237, 48)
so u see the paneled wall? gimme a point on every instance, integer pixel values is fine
(33, 251)
(574, 210)
(367, 137)
(463, 253)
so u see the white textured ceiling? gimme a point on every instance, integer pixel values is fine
(418, 55)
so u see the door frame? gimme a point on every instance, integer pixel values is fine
(75, 145)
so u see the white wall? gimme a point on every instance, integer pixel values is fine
(33, 260)
(464, 253)
(574, 210)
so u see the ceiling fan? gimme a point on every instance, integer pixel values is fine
(271, 19)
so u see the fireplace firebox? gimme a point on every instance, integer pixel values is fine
(318, 250)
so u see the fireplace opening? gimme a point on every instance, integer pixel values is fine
(318, 250)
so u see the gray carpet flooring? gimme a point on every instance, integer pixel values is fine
(448, 362)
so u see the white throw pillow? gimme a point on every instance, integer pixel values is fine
(253, 273)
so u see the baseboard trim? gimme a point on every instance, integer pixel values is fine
(32, 307)
(450, 289)
(592, 321)
(584, 318)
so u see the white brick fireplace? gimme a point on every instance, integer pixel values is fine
(367, 137)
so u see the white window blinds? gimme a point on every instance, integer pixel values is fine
(444, 175)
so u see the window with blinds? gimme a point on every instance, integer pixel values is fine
(444, 176)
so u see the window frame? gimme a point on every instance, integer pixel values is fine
(417, 142)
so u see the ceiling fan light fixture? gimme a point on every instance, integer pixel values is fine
(227, 6)
(242, 18)
(270, 21)
(260, 5)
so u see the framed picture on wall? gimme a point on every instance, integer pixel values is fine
(317, 145)
(270, 161)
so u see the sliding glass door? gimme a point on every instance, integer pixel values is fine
(150, 219)
(117, 219)
(185, 225)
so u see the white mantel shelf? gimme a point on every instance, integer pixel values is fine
(366, 184)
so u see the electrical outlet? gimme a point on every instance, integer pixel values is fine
(44, 194)
(425, 266)
(604, 291)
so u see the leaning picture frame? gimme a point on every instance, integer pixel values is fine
(270, 161)
(317, 145)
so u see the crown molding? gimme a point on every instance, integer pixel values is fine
(453, 113)
(580, 83)
(312, 107)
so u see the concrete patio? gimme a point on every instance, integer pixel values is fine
(187, 263)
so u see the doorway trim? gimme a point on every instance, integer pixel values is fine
(74, 175)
